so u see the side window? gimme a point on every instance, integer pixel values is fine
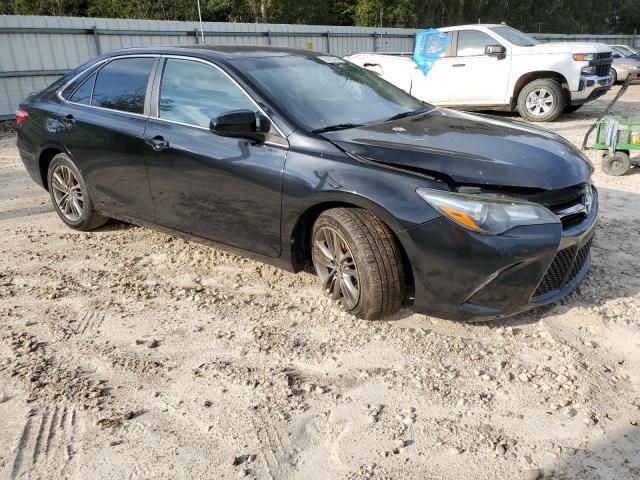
(473, 42)
(122, 84)
(82, 94)
(192, 92)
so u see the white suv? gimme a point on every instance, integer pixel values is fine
(498, 66)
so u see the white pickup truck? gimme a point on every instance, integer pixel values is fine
(499, 66)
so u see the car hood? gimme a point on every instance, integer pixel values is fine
(566, 47)
(469, 149)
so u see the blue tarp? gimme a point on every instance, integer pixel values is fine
(429, 46)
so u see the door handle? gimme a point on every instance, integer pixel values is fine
(68, 121)
(158, 143)
(458, 65)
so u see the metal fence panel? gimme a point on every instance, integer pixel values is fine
(33, 48)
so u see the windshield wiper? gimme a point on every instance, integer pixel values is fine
(410, 113)
(339, 126)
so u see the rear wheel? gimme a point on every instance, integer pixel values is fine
(359, 262)
(616, 164)
(70, 196)
(541, 100)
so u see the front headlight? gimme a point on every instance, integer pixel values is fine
(485, 214)
(583, 57)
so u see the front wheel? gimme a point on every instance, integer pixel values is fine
(541, 100)
(70, 196)
(616, 164)
(359, 262)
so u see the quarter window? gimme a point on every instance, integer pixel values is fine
(82, 94)
(473, 42)
(122, 84)
(194, 93)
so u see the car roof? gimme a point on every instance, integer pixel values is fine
(472, 26)
(226, 52)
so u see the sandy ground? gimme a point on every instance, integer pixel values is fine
(126, 353)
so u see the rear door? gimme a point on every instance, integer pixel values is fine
(477, 78)
(102, 124)
(221, 188)
(435, 86)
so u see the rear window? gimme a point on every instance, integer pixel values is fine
(122, 84)
(83, 94)
(79, 80)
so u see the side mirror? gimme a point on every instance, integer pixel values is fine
(495, 50)
(617, 55)
(241, 124)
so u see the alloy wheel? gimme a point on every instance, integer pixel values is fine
(539, 102)
(336, 267)
(67, 193)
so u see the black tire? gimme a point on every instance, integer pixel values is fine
(87, 217)
(616, 164)
(571, 108)
(376, 256)
(614, 73)
(546, 113)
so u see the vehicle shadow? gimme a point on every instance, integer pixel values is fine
(114, 225)
(26, 212)
(615, 457)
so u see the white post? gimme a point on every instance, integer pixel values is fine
(200, 17)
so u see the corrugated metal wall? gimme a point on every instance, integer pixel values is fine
(34, 51)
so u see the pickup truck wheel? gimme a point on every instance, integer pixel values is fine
(616, 164)
(359, 262)
(541, 100)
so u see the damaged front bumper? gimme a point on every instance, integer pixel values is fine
(464, 275)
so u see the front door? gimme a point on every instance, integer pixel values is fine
(477, 78)
(102, 127)
(223, 189)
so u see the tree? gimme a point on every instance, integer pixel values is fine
(552, 16)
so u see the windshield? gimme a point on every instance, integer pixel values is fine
(621, 51)
(516, 37)
(624, 50)
(319, 92)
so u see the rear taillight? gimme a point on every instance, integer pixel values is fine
(21, 115)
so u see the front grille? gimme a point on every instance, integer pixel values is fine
(603, 63)
(554, 276)
(564, 268)
(563, 207)
(578, 263)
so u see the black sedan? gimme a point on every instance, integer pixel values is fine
(300, 158)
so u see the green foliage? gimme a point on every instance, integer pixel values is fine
(551, 16)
